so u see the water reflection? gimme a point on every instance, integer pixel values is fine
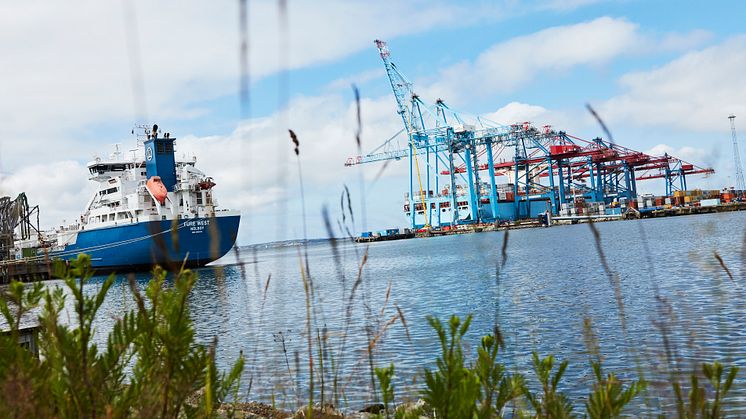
(551, 281)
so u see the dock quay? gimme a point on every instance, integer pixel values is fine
(25, 270)
(19, 223)
(631, 213)
(674, 211)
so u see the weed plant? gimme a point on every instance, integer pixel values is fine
(171, 376)
(151, 365)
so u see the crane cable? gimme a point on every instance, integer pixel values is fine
(419, 181)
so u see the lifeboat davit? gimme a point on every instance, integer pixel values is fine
(206, 184)
(157, 189)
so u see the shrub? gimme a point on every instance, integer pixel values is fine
(171, 375)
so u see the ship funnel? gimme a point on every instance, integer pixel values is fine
(160, 160)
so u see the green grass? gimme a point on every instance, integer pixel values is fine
(151, 365)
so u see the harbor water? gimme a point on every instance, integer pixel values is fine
(537, 285)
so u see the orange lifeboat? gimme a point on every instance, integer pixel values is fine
(157, 188)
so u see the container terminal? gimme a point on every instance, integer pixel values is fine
(470, 174)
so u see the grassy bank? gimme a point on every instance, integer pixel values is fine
(151, 366)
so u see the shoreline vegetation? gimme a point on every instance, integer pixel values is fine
(151, 365)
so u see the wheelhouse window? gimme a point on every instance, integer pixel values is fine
(164, 147)
(98, 169)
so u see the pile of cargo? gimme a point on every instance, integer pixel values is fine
(728, 196)
(690, 198)
(650, 202)
(704, 197)
(581, 207)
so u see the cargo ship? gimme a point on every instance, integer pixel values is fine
(148, 209)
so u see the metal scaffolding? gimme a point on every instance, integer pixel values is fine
(740, 185)
(16, 223)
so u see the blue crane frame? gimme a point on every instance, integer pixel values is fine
(594, 171)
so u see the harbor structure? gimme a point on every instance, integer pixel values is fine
(473, 171)
(27, 331)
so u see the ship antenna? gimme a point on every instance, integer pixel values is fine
(142, 132)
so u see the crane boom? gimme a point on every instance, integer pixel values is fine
(399, 84)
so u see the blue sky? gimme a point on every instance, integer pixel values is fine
(663, 74)
(418, 53)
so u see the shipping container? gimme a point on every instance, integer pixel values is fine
(561, 149)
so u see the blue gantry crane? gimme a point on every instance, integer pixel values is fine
(530, 170)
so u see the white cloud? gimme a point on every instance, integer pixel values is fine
(75, 72)
(517, 112)
(708, 156)
(508, 65)
(695, 155)
(685, 41)
(358, 79)
(695, 92)
(254, 167)
(61, 190)
(65, 66)
(256, 170)
(565, 5)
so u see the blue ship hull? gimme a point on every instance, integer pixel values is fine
(131, 247)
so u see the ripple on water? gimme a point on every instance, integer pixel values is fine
(551, 282)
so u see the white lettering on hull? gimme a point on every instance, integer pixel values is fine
(197, 226)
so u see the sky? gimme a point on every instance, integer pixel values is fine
(76, 76)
